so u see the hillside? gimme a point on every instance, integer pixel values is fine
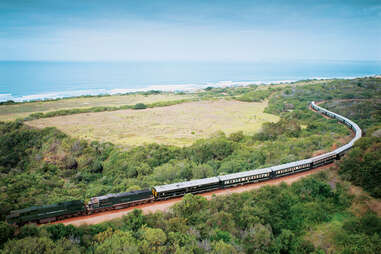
(46, 166)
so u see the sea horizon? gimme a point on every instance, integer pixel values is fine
(41, 80)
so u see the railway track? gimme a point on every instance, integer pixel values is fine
(163, 205)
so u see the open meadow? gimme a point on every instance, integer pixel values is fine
(179, 124)
(21, 110)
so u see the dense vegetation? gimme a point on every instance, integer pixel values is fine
(269, 220)
(363, 165)
(46, 166)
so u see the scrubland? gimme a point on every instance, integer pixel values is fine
(180, 124)
(21, 110)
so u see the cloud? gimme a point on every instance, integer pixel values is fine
(188, 30)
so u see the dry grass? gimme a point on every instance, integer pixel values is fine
(12, 112)
(179, 124)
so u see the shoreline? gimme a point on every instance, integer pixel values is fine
(4, 97)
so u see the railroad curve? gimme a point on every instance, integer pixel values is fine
(323, 161)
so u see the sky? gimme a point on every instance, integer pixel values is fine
(202, 30)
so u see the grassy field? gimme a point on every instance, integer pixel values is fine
(12, 112)
(180, 124)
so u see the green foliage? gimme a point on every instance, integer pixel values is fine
(267, 220)
(271, 131)
(216, 148)
(360, 235)
(139, 106)
(29, 230)
(255, 96)
(6, 232)
(366, 113)
(9, 102)
(46, 166)
(362, 165)
(134, 220)
(42, 245)
(59, 231)
(117, 242)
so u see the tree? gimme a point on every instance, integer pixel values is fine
(221, 247)
(258, 238)
(153, 239)
(284, 242)
(190, 207)
(28, 230)
(140, 106)
(29, 245)
(202, 171)
(134, 221)
(117, 243)
(6, 232)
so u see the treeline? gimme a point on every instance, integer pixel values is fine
(366, 112)
(268, 220)
(256, 95)
(250, 93)
(298, 96)
(64, 112)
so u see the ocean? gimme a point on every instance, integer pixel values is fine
(23, 81)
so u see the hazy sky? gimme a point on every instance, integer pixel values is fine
(233, 30)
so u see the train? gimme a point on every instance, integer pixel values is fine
(63, 210)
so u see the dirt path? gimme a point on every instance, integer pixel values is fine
(165, 205)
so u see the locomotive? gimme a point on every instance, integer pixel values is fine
(59, 211)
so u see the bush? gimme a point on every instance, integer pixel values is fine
(140, 106)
